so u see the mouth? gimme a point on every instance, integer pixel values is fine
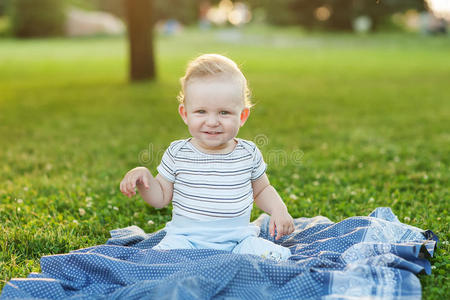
(212, 132)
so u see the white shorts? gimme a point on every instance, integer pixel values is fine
(236, 235)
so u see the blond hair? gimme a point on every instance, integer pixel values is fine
(214, 65)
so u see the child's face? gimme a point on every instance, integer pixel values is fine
(214, 111)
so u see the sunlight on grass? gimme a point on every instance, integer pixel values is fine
(368, 113)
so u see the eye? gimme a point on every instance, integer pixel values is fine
(200, 111)
(223, 112)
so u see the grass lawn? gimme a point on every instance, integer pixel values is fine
(346, 123)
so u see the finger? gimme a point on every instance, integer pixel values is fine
(124, 189)
(286, 230)
(279, 232)
(272, 227)
(133, 182)
(134, 185)
(291, 228)
(124, 192)
(131, 185)
(145, 181)
(129, 188)
(283, 231)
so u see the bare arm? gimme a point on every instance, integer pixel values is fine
(156, 191)
(267, 199)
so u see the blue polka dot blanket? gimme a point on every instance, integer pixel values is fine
(374, 257)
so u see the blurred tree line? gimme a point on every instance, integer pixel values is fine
(285, 12)
(336, 14)
(46, 17)
(34, 18)
(31, 18)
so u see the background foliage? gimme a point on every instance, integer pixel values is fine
(35, 18)
(343, 12)
(47, 17)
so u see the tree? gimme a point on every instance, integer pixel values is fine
(36, 18)
(140, 37)
(140, 16)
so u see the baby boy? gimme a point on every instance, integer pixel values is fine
(213, 178)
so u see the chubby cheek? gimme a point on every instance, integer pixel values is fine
(233, 125)
(193, 124)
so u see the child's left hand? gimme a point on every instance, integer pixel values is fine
(282, 222)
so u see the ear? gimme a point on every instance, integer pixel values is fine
(183, 113)
(244, 115)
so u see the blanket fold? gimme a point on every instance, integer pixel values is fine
(375, 256)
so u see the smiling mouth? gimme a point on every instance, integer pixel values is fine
(212, 132)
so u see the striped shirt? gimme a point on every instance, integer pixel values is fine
(212, 186)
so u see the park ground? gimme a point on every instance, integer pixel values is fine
(346, 123)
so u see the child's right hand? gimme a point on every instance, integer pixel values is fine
(136, 176)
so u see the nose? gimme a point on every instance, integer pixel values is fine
(212, 120)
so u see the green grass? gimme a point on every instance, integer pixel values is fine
(369, 114)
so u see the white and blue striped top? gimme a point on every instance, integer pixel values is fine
(212, 186)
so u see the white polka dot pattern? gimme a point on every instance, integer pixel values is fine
(375, 256)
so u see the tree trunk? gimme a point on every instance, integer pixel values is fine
(140, 37)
